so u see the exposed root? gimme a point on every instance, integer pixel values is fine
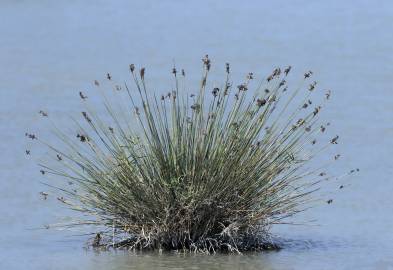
(222, 242)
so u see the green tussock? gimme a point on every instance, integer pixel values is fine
(204, 172)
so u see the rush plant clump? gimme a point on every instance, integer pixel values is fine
(201, 172)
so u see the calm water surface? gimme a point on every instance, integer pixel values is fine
(50, 50)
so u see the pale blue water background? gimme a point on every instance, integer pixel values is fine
(49, 50)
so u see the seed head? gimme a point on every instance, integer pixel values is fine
(287, 70)
(206, 62)
(334, 140)
(261, 102)
(86, 117)
(44, 194)
(308, 74)
(215, 91)
(142, 73)
(272, 98)
(195, 107)
(31, 136)
(276, 72)
(242, 87)
(316, 110)
(43, 113)
(312, 86)
(132, 68)
(328, 93)
(83, 97)
(82, 138)
(300, 122)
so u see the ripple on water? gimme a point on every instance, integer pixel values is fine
(300, 244)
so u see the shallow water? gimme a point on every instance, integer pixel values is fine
(49, 51)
